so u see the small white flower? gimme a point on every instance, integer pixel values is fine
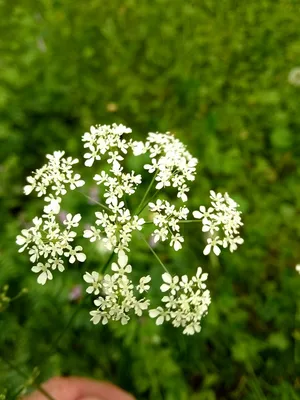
(32, 185)
(24, 240)
(214, 245)
(143, 284)
(94, 280)
(160, 314)
(75, 181)
(138, 148)
(176, 241)
(72, 221)
(34, 254)
(298, 268)
(203, 213)
(75, 254)
(171, 283)
(45, 273)
(91, 157)
(52, 207)
(57, 263)
(122, 267)
(92, 234)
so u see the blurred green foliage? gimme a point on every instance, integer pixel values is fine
(214, 73)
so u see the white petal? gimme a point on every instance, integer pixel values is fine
(95, 275)
(128, 269)
(87, 234)
(20, 240)
(166, 277)
(36, 269)
(197, 215)
(115, 267)
(49, 274)
(42, 278)
(89, 162)
(80, 183)
(28, 189)
(81, 257)
(204, 277)
(88, 278)
(164, 287)
(207, 249)
(77, 218)
(177, 246)
(184, 279)
(154, 313)
(216, 250)
(122, 259)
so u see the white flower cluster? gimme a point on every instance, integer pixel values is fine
(172, 164)
(102, 138)
(116, 293)
(186, 302)
(47, 241)
(222, 214)
(54, 175)
(166, 218)
(115, 226)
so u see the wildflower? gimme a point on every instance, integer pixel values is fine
(75, 254)
(75, 293)
(222, 214)
(143, 284)
(169, 283)
(186, 304)
(50, 240)
(213, 244)
(122, 267)
(45, 273)
(94, 279)
(167, 219)
(118, 298)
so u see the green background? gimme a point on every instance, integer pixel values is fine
(215, 73)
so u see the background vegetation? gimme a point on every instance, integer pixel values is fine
(216, 74)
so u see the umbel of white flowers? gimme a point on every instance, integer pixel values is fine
(50, 242)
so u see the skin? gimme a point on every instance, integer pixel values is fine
(79, 389)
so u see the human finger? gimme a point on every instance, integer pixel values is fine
(75, 388)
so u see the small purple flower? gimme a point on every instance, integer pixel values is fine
(94, 195)
(62, 216)
(75, 293)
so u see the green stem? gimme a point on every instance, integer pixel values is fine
(137, 212)
(189, 221)
(96, 202)
(154, 253)
(104, 268)
(61, 334)
(20, 294)
(154, 194)
(56, 341)
(21, 373)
